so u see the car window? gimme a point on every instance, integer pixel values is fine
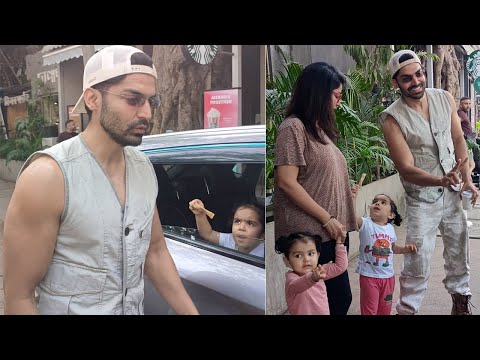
(221, 187)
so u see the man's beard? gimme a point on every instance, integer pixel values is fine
(110, 123)
(417, 96)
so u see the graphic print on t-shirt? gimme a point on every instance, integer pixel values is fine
(379, 250)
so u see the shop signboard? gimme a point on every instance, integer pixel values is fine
(221, 108)
(473, 64)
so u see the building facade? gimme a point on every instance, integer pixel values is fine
(217, 68)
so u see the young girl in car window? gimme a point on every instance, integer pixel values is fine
(305, 289)
(248, 228)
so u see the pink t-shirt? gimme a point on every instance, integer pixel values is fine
(307, 297)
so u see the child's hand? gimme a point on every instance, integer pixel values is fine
(410, 248)
(319, 273)
(355, 189)
(196, 206)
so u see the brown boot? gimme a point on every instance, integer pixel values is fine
(461, 304)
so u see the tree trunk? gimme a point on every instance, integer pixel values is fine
(181, 83)
(438, 65)
(447, 69)
(13, 66)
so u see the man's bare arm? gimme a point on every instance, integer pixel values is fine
(160, 268)
(31, 228)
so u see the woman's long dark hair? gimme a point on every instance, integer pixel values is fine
(311, 100)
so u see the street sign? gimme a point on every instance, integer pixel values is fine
(473, 63)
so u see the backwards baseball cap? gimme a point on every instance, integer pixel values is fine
(394, 64)
(108, 63)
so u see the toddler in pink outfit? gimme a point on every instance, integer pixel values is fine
(305, 289)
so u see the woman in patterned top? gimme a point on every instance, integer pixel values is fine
(312, 191)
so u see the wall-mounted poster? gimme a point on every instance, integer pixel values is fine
(222, 108)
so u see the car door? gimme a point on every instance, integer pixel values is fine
(219, 280)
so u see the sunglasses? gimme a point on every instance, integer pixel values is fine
(338, 95)
(407, 78)
(137, 100)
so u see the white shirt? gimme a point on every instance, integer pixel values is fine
(226, 240)
(376, 256)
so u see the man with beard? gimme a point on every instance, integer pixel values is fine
(424, 137)
(69, 131)
(82, 226)
(465, 104)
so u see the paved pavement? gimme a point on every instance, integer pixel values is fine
(6, 190)
(437, 301)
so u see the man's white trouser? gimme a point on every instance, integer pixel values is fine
(423, 220)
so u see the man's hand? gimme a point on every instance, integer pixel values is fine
(453, 177)
(468, 186)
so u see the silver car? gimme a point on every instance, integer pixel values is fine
(221, 167)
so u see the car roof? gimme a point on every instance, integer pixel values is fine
(239, 134)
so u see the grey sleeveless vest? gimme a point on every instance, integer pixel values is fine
(429, 141)
(99, 256)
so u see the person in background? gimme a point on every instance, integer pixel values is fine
(464, 108)
(69, 131)
(468, 134)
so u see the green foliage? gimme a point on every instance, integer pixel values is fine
(28, 137)
(371, 65)
(279, 90)
(371, 72)
(365, 149)
(46, 102)
(472, 145)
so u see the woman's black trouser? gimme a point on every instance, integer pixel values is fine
(338, 289)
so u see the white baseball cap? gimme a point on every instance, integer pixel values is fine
(108, 63)
(394, 64)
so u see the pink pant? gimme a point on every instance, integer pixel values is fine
(376, 295)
